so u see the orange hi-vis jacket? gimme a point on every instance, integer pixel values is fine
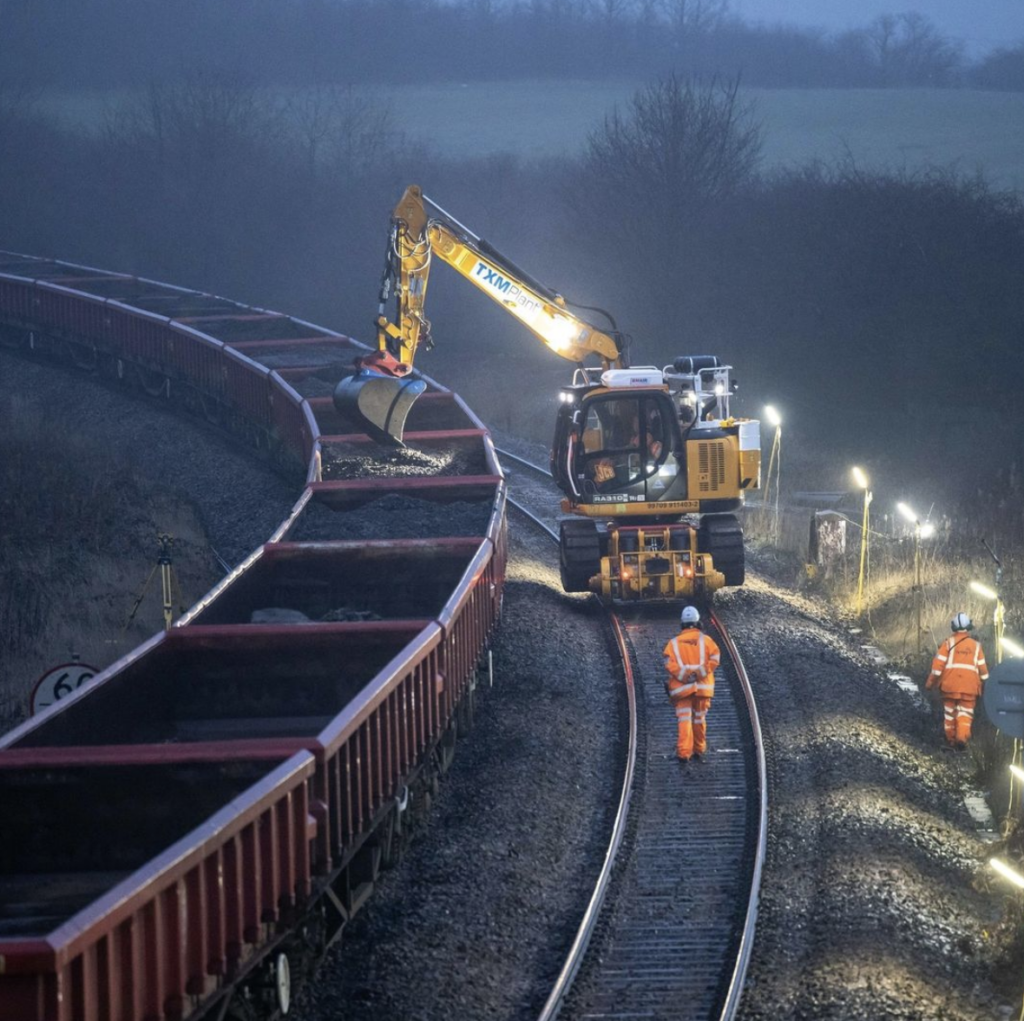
(691, 659)
(959, 667)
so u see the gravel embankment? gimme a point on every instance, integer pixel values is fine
(869, 905)
(240, 500)
(187, 481)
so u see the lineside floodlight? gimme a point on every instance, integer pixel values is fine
(1011, 647)
(774, 418)
(1017, 772)
(860, 477)
(920, 532)
(1007, 872)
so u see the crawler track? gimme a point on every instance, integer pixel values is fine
(669, 929)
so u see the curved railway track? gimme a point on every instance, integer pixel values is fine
(669, 929)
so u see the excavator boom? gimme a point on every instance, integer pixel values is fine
(380, 395)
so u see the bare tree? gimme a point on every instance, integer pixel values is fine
(1001, 69)
(680, 145)
(204, 118)
(907, 49)
(612, 12)
(694, 17)
(197, 155)
(340, 128)
(647, 12)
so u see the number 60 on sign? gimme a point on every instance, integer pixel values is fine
(60, 682)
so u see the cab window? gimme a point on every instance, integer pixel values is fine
(623, 441)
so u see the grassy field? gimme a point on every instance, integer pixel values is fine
(908, 128)
(879, 127)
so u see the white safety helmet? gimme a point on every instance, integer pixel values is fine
(961, 622)
(689, 616)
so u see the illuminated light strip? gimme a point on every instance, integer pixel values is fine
(983, 590)
(1007, 872)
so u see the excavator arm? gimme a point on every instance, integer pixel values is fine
(380, 395)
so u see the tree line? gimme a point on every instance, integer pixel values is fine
(281, 42)
(876, 306)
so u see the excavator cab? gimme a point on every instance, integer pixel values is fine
(626, 445)
(618, 441)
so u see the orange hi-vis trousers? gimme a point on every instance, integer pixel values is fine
(959, 715)
(691, 715)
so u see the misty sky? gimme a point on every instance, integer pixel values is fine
(982, 24)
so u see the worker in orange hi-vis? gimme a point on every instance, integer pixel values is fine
(959, 672)
(691, 659)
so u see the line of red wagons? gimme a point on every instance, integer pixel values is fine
(191, 830)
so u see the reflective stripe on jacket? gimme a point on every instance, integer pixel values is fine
(691, 659)
(959, 667)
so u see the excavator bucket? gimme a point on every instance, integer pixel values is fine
(376, 404)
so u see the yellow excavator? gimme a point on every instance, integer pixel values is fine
(652, 465)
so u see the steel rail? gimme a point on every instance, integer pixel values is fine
(733, 995)
(578, 950)
(527, 464)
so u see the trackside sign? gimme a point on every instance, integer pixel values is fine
(59, 682)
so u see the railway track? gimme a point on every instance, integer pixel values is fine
(669, 929)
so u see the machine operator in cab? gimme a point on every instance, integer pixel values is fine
(626, 435)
